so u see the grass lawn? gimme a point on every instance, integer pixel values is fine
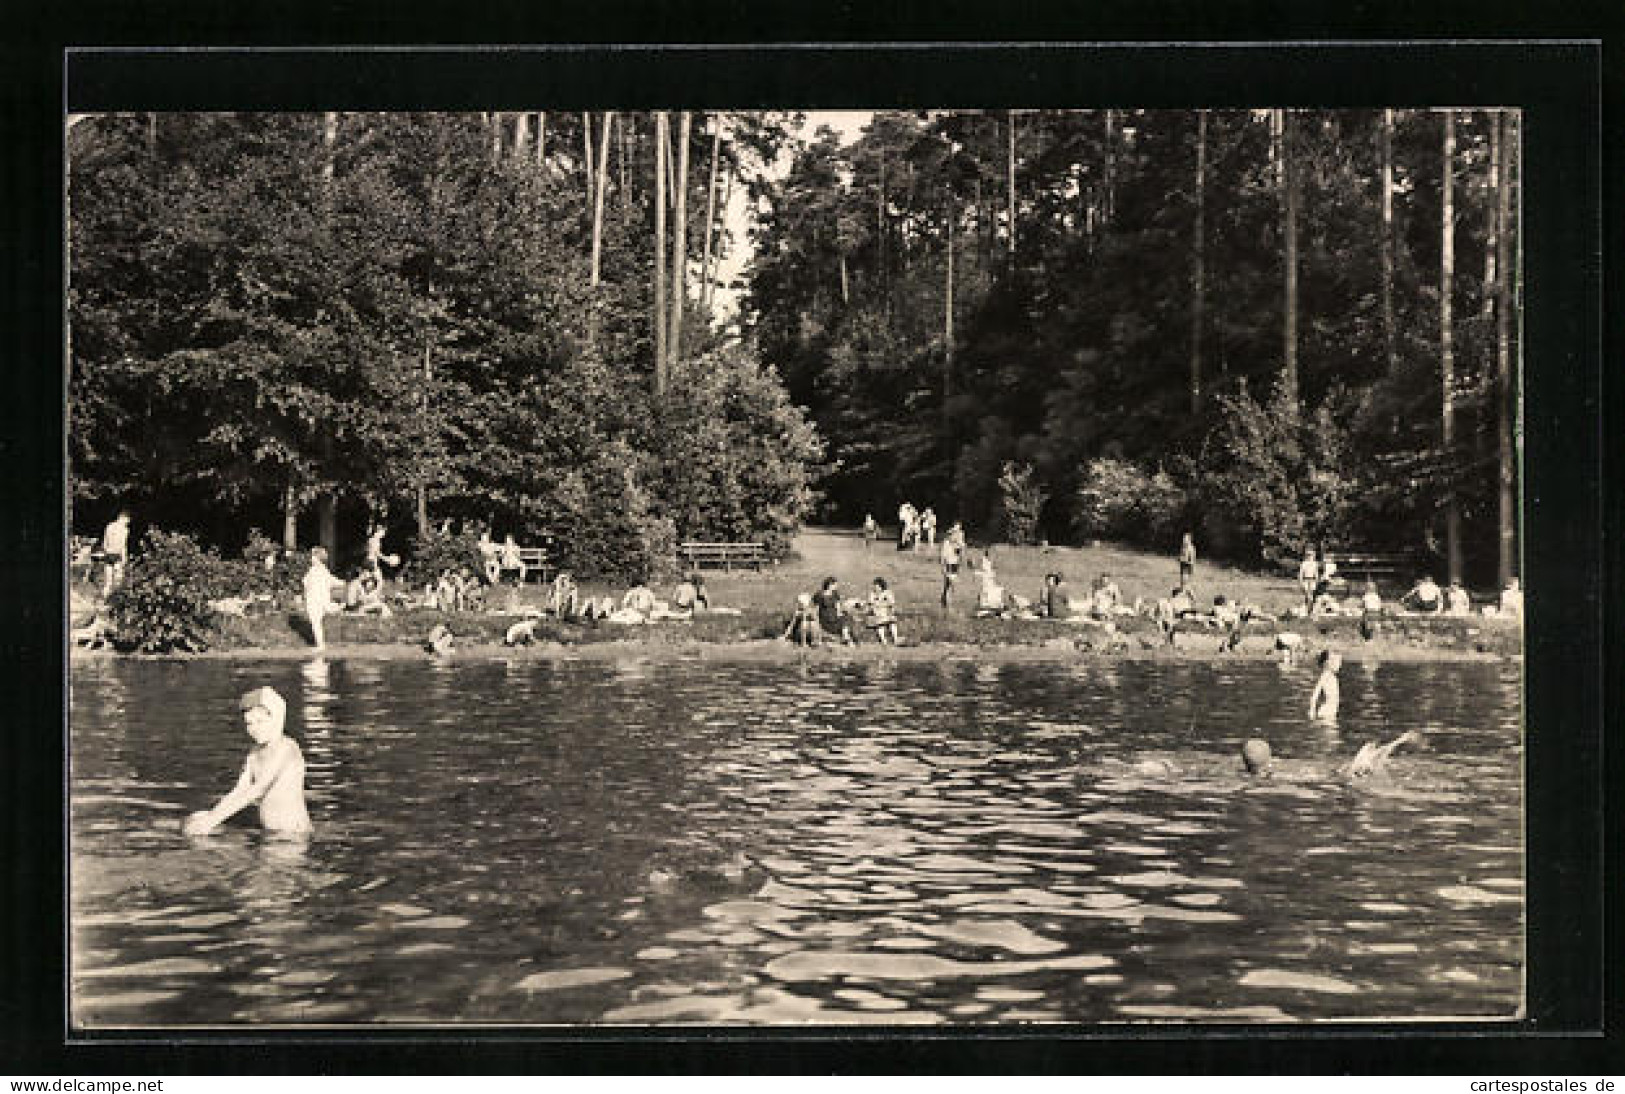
(765, 600)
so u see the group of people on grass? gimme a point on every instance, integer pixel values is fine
(827, 617)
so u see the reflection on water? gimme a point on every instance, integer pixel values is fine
(648, 842)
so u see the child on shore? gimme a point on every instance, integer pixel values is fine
(1187, 559)
(273, 775)
(803, 629)
(1324, 700)
(883, 613)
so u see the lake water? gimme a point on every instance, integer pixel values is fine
(671, 841)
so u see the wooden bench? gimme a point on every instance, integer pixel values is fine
(1375, 566)
(725, 555)
(535, 560)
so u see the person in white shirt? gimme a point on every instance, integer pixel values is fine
(115, 550)
(319, 584)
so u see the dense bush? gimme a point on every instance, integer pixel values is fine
(163, 603)
(1022, 501)
(439, 550)
(1121, 500)
(607, 525)
(731, 453)
(1282, 474)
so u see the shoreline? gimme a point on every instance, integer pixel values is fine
(1058, 650)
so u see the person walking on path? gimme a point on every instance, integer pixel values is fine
(1187, 559)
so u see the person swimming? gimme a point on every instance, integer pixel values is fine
(273, 775)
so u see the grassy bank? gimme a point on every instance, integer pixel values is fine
(764, 601)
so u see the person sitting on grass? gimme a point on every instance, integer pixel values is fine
(690, 597)
(1512, 599)
(1057, 597)
(1424, 596)
(883, 613)
(1457, 602)
(803, 629)
(1105, 598)
(273, 775)
(832, 617)
(364, 595)
(990, 598)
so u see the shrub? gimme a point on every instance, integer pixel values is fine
(1283, 475)
(435, 551)
(606, 525)
(1021, 501)
(163, 603)
(1120, 500)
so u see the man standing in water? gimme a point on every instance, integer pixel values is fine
(273, 775)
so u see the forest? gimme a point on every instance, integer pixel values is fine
(1275, 328)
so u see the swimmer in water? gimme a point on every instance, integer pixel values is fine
(1256, 758)
(1372, 758)
(1324, 700)
(273, 775)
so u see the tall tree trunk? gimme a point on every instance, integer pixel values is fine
(423, 485)
(1386, 155)
(948, 320)
(1447, 355)
(493, 122)
(1199, 264)
(152, 133)
(846, 289)
(727, 198)
(541, 138)
(1109, 198)
(710, 210)
(880, 231)
(327, 504)
(1289, 236)
(590, 174)
(521, 136)
(1010, 174)
(598, 195)
(290, 515)
(624, 143)
(660, 253)
(1505, 393)
(679, 244)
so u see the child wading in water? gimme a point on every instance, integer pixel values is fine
(1326, 696)
(273, 775)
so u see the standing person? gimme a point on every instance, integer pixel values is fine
(512, 561)
(928, 526)
(319, 584)
(883, 613)
(1187, 559)
(1324, 700)
(1328, 570)
(115, 551)
(273, 775)
(906, 516)
(871, 531)
(953, 553)
(1308, 578)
